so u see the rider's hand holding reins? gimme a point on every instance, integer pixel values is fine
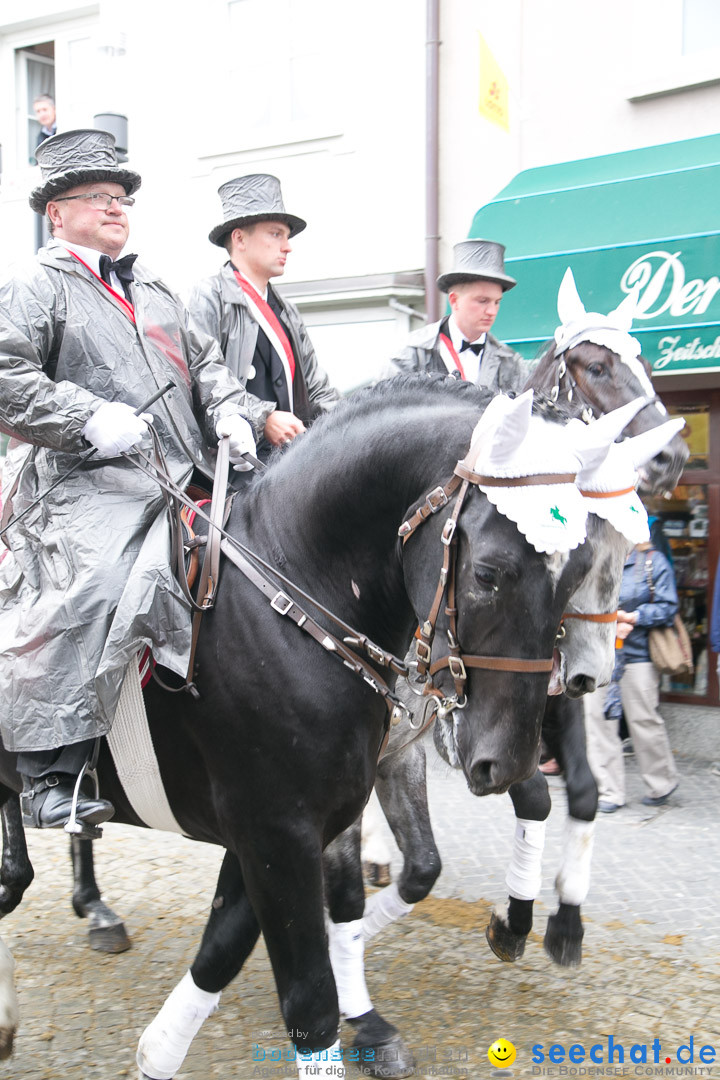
(114, 428)
(241, 437)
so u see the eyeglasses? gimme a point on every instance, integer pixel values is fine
(100, 200)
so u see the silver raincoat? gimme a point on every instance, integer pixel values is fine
(219, 307)
(89, 580)
(502, 369)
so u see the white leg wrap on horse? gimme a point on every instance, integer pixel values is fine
(382, 908)
(165, 1042)
(524, 875)
(347, 949)
(323, 1064)
(8, 997)
(573, 880)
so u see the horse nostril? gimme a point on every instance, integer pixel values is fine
(579, 685)
(481, 775)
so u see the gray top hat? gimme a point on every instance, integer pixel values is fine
(477, 259)
(78, 157)
(256, 197)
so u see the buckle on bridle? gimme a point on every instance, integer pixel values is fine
(448, 531)
(437, 499)
(281, 603)
(423, 652)
(375, 653)
(457, 668)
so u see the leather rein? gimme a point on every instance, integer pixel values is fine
(261, 573)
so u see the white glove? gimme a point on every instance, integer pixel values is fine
(115, 428)
(241, 438)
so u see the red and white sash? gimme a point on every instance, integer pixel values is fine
(127, 306)
(268, 320)
(449, 356)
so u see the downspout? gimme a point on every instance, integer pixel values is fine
(432, 139)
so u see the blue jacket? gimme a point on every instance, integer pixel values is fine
(715, 614)
(635, 595)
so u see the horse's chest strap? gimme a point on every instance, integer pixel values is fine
(285, 605)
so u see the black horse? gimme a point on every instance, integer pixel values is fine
(279, 754)
(596, 380)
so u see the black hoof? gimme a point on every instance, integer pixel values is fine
(6, 1044)
(391, 1058)
(561, 945)
(504, 943)
(109, 939)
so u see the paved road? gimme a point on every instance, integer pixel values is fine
(651, 967)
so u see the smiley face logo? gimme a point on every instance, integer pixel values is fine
(501, 1053)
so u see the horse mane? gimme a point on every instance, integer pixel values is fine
(406, 391)
(413, 391)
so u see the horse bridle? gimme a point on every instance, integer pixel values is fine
(456, 661)
(563, 375)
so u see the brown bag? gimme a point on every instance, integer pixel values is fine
(670, 648)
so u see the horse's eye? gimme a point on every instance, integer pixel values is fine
(596, 369)
(488, 576)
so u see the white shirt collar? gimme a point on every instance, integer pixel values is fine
(262, 290)
(91, 258)
(469, 361)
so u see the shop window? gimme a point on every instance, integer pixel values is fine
(684, 523)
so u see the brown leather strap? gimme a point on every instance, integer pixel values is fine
(285, 605)
(603, 617)
(494, 663)
(434, 501)
(207, 586)
(606, 494)
(541, 479)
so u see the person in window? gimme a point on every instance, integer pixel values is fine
(44, 109)
(87, 334)
(461, 344)
(648, 598)
(263, 337)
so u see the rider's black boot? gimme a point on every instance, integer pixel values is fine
(47, 803)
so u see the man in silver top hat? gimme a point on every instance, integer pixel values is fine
(461, 344)
(87, 336)
(262, 336)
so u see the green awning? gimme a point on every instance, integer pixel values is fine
(649, 215)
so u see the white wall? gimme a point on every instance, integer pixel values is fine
(572, 69)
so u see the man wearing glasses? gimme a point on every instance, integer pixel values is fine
(88, 334)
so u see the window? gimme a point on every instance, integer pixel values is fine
(700, 25)
(283, 68)
(35, 65)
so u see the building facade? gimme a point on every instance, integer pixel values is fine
(339, 104)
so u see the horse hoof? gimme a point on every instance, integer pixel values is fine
(377, 874)
(504, 943)
(109, 939)
(7, 1037)
(393, 1060)
(564, 948)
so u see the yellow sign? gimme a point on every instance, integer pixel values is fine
(494, 97)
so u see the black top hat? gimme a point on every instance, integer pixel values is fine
(78, 157)
(256, 197)
(474, 260)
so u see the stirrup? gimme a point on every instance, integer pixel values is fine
(82, 828)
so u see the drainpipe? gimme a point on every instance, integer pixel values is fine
(432, 140)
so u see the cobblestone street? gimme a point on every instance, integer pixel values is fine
(651, 965)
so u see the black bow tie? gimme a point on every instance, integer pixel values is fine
(123, 268)
(477, 349)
